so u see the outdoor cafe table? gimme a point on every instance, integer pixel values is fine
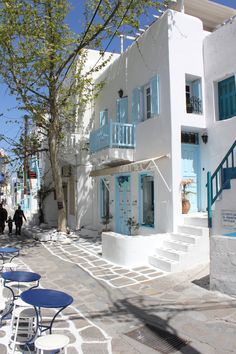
(18, 277)
(46, 298)
(8, 253)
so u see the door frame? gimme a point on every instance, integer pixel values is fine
(198, 172)
(117, 199)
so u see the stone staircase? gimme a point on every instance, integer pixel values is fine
(185, 248)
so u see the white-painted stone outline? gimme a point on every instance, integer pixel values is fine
(61, 251)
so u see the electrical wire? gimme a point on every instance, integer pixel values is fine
(81, 42)
(114, 34)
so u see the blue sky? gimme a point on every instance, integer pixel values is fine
(11, 121)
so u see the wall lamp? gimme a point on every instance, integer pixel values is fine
(120, 93)
(205, 138)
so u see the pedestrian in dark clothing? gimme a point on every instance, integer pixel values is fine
(10, 223)
(18, 219)
(3, 218)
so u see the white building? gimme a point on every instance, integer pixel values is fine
(165, 114)
(75, 163)
(173, 88)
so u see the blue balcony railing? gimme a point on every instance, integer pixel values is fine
(113, 135)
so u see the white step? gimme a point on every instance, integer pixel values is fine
(183, 237)
(169, 253)
(200, 220)
(162, 263)
(177, 245)
(192, 230)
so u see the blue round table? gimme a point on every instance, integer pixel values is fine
(47, 298)
(10, 252)
(19, 277)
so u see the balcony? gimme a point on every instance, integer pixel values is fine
(194, 105)
(113, 142)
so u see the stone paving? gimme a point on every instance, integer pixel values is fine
(98, 268)
(104, 312)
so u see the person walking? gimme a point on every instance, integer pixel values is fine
(10, 223)
(3, 218)
(18, 219)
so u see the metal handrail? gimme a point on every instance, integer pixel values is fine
(216, 181)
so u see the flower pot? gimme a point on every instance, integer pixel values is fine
(185, 206)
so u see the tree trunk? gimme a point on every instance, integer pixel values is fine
(57, 178)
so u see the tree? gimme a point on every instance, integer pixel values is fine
(39, 56)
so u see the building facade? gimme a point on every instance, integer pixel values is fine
(162, 120)
(166, 114)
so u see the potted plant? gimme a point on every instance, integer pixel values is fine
(106, 219)
(184, 194)
(133, 226)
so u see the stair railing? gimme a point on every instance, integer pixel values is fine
(216, 181)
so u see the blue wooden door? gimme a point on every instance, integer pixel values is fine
(123, 203)
(191, 170)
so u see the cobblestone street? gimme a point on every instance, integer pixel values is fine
(110, 302)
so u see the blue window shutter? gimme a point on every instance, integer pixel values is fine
(227, 98)
(155, 96)
(101, 198)
(103, 117)
(196, 89)
(137, 105)
(118, 110)
(122, 110)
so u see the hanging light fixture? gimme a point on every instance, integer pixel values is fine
(205, 137)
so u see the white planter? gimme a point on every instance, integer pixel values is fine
(129, 251)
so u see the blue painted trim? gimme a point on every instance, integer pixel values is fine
(198, 171)
(209, 199)
(117, 199)
(217, 179)
(140, 200)
(227, 98)
(113, 134)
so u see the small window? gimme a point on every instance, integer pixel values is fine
(193, 93)
(147, 200)
(148, 102)
(227, 98)
(189, 138)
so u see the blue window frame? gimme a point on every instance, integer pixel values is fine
(103, 117)
(146, 200)
(146, 101)
(104, 198)
(122, 110)
(193, 91)
(227, 98)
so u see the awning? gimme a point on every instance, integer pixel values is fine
(130, 167)
(133, 167)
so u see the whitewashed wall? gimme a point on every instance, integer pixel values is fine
(172, 48)
(219, 59)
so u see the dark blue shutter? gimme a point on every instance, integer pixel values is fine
(227, 98)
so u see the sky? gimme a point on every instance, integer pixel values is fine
(11, 120)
